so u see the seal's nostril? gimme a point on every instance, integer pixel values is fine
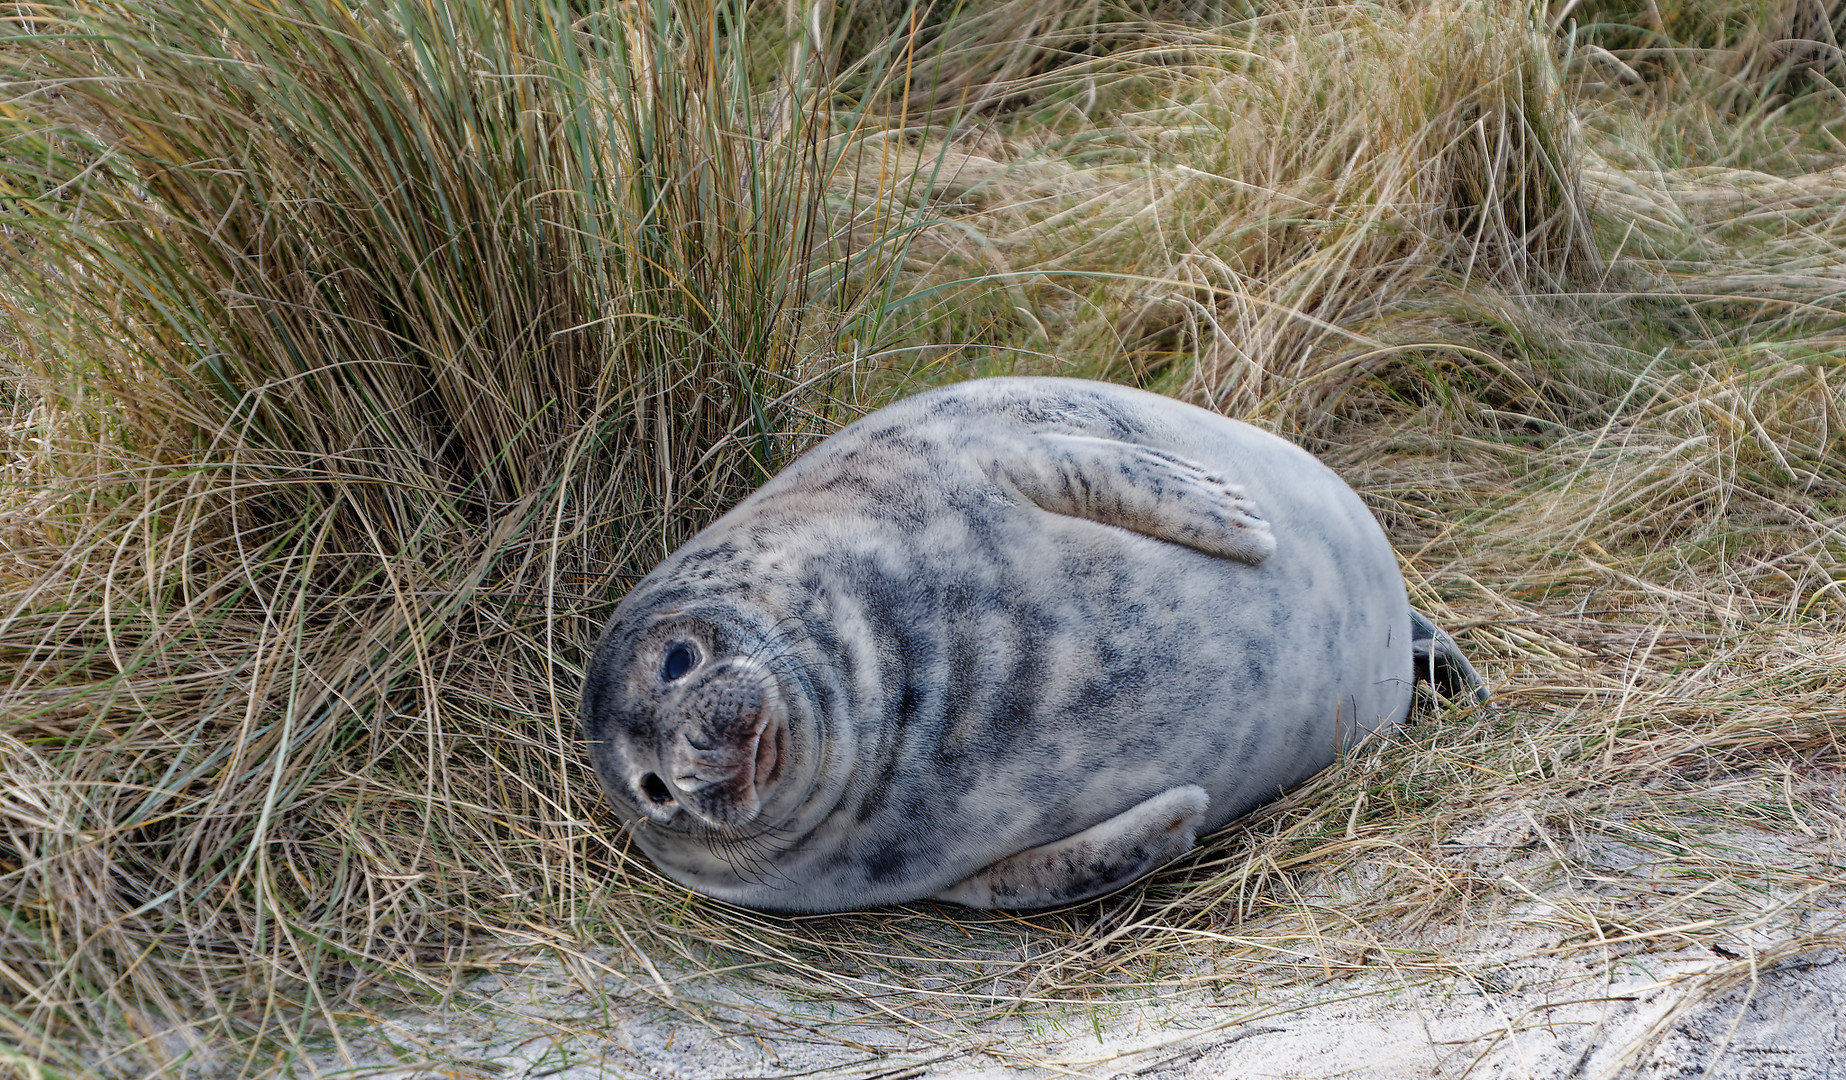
(656, 789)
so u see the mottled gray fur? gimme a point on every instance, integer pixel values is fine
(1009, 643)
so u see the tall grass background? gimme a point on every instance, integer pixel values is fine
(357, 357)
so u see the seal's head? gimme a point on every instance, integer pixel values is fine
(687, 724)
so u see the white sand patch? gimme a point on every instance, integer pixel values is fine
(1657, 1018)
(1536, 983)
(1512, 1009)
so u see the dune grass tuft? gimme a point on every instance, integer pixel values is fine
(358, 355)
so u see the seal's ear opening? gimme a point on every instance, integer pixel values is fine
(656, 801)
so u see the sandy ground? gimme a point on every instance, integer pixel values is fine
(1511, 1009)
(1521, 994)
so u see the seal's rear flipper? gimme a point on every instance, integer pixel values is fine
(1139, 489)
(1092, 862)
(1440, 663)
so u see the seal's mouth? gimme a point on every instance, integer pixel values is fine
(769, 753)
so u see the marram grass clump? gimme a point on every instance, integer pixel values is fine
(356, 356)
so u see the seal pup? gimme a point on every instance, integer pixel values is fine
(1010, 643)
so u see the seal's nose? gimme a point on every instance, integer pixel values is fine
(731, 747)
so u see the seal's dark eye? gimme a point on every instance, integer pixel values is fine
(679, 661)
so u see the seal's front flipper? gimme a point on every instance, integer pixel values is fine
(1440, 663)
(1139, 489)
(1092, 862)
